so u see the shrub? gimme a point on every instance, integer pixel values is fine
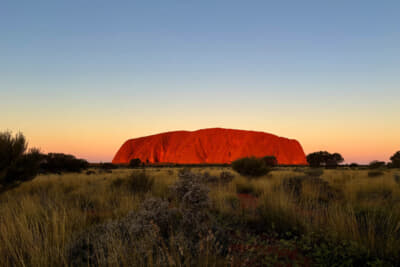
(376, 164)
(250, 166)
(187, 184)
(16, 164)
(140, 182)
(58, 162)
(134, 163)
(353, 165)
(270, 161)
(147, 237)
(139, 232)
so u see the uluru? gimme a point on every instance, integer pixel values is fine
(210, 146)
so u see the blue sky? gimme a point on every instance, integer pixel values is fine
(324, 72)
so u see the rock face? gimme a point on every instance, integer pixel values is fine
(214, 145)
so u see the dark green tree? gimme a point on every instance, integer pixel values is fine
(324, 158)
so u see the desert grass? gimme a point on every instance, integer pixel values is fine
(39, 219)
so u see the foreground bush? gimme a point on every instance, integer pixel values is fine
(16, 164)
(251, 166)
(160, 233)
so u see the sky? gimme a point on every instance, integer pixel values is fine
(81, 77)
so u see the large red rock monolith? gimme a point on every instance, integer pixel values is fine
(215, 145)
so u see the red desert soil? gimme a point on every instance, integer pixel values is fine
(215, 145)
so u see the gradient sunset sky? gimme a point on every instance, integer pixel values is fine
(81, 77)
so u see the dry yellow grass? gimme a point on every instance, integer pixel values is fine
(40, 218)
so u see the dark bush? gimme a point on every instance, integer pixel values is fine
(134, 163)
(376, 164)
(16, 164)
(251, 166)
(270, 161)
(58, 162)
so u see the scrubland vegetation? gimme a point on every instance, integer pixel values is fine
(203, 217)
